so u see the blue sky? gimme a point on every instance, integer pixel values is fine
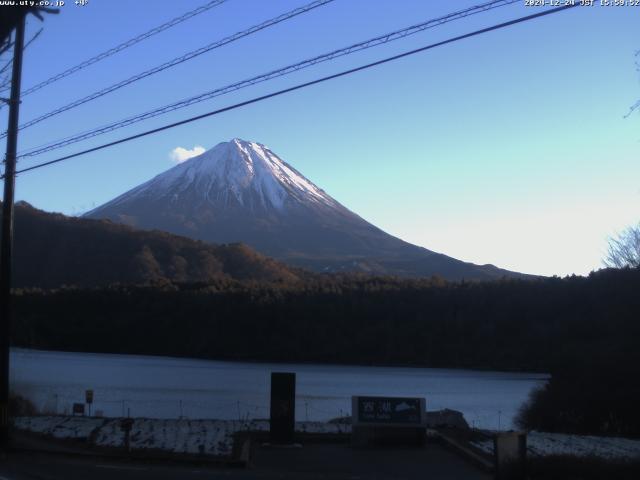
(509, 148)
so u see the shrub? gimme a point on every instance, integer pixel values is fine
(20, 406)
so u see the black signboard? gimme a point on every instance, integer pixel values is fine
(78, 409)
(389, 410)
(283, 402)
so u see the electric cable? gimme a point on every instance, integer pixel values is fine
(124, 45)
(382, 39)
(303, 85)
(176, 61)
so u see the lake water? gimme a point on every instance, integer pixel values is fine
(163, 387)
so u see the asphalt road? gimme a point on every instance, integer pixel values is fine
(332, 462)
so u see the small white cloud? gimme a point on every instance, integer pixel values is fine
(179, 154)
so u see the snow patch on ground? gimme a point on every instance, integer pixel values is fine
(60, 427)
(540, 444)
(204, 437)
(215, 437)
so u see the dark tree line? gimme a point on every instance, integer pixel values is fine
(584, 331)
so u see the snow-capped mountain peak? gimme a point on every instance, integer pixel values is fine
(248, 173)
(241, 191)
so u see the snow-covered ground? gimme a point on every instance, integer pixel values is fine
(215, 437)
(60, 427)
(208, 437)
(541, 444)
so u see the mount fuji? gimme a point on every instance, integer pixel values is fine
(241, 191)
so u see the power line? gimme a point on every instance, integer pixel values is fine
(381, 39)
(635, 106)
(5, 47)
(177, 61)
(10, 62)
(7, 64)
(302, 85)
(125, 45)
(35, 35)
(4, 82)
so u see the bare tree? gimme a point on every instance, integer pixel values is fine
(624, 249)
(635, 106)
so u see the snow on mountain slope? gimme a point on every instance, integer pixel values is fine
(248, 172)
(241, 191)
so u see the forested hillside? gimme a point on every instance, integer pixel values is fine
(51, 250)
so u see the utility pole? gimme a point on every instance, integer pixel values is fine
(7, 234)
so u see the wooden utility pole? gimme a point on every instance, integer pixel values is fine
(7, 233)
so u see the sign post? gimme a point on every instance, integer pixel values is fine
(126, 424)
(283, 407)
(78, 409)
(88, 399)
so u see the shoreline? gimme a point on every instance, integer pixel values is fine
(534, 375)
